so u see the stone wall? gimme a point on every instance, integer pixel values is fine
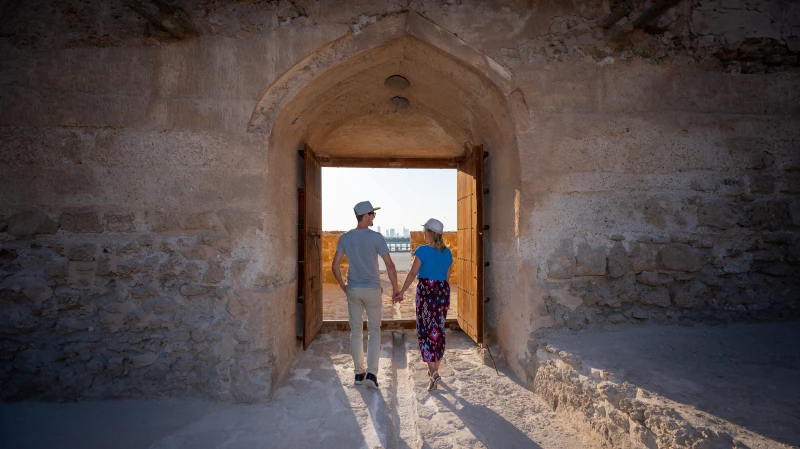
(92, 310)
(329, 242)
(639, 171)
(450, 239)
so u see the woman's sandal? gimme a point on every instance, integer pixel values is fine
(435, 378)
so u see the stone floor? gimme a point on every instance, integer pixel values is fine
(318, 406)
(334, 301)
(742, 381)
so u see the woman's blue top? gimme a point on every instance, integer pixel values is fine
(435, 263)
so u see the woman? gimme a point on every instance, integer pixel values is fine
(432, 262)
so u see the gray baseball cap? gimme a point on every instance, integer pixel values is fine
(364, 207)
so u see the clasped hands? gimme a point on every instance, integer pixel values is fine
(397, 296)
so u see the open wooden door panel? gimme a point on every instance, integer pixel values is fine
(310, 244)
(470, 244)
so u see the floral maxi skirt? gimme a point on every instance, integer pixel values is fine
(432, 302)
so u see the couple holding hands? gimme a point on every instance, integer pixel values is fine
(431, 265)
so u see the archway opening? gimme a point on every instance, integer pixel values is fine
(407, 198)
(390, 98)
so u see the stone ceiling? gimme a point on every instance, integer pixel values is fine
(349, 111)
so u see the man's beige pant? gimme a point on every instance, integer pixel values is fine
(359, 299)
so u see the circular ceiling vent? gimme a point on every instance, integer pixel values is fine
(400, 103)
(397, 82)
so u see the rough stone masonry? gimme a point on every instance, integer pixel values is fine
(643, 167)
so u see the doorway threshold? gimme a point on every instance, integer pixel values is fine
(386, 325)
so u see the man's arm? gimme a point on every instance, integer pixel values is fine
(337, 270)
(392, 272)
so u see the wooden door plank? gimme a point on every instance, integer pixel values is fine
(470, 247)
(312, 234)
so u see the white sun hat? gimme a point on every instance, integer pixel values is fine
(434, 225)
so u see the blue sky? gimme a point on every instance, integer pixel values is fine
(407, 198)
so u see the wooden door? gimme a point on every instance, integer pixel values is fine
(309, 291)
(470, 243)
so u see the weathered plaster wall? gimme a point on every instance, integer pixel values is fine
(165, 270)
(636, 174)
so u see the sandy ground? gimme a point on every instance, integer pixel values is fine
(743, 378)
(334, 301)
(317, 406)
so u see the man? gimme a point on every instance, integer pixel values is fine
(362, 247)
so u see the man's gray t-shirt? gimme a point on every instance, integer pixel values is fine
(362, 248)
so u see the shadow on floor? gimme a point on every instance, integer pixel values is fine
(486, 425)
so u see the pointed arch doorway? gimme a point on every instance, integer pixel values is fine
(338, 108)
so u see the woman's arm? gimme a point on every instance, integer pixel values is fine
(410, 277)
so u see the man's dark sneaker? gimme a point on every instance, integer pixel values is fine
(360, 378)
(372, 381)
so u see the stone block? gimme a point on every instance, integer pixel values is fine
(120, 223)
(762, 185)
(164, 305)
(561, 264)
(731, 188)
(214, 274)
(794, 211)
(644, 257)
(619, 263)
(192, 289)
(768, 215)
(198, 252)
(650, 278)
(36, 290)
(31, 222)
(3, 225)
(17, 319)
(793, 252)
(680, 257)
(225, 347)
(741, 264)
(717, 215)
(81, 222)
(142, 360)
(590, 261)
(655, 212)
(56, 269)
(128, 267)
(105, 265)
(657, 297)
(689, 296)
(144, 291)
(636, 312)
(616, 318)
(791, 183)
(85, 252)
